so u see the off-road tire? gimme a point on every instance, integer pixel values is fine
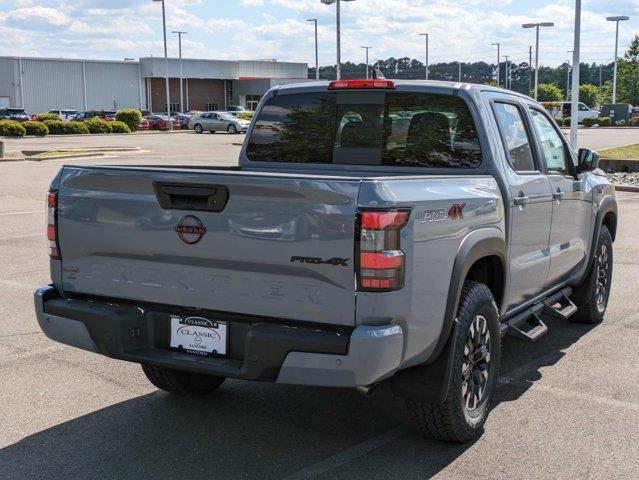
(197, 128)
(589, 307)
(451, 421)
(180, 382)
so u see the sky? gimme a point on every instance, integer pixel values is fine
(459, 30)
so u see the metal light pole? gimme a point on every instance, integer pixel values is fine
(568, 78)
(574, 108)
(507, 71)
(166, 60)
(459, 74)
(179, 34)
(536, 26)
(614, 75)
(426, 36)
(338, 28)
(367, 49)
(498, 60)
(529, 69)
(314, 20)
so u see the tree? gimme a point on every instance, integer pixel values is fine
(628, 86)
(588, 94)
(604, 95)
(547, 92)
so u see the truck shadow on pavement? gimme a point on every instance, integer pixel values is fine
(262, 431)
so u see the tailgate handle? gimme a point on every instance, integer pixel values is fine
(175, 196)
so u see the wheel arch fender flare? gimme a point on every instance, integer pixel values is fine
(608, 205)
(429, 381)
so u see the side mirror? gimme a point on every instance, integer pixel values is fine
(588, 160)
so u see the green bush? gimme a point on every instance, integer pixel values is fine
(245, 116)
(38, 129)
(9, 128)
(589, 121)
(567, 122)
(547, 92)
(604, 121)
(559, 121)
(41, 117)
(620, 123)
(119, 127)
(130, 116)
(57, 127)
(75, 128)
(97, 125)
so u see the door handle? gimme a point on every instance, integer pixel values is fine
(520, 200)
(558, 195)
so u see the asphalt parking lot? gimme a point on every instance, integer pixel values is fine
(567, 406)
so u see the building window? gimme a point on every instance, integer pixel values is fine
(211, 106)
(252, 101)
(229, 92)
(175, 108)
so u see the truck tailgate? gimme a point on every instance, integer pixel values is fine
(280, 245)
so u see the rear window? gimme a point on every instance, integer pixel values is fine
(366, 128)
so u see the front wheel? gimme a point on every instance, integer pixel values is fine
(477, 343)
(591, 297)
(198, 128)
(180, 382)
(232, 129)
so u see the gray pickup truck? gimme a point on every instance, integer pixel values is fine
(375, 230)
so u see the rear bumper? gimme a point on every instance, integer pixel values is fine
(258, 350)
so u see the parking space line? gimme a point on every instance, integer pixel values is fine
(347, 455)
(22, 236)
(21, 213)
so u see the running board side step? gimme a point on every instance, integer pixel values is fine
(529, 325)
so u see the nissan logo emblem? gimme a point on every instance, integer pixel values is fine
(190, 229)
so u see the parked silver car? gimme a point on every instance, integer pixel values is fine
(217, 122)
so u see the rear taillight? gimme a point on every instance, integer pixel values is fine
(362, 84)
(380, 259)
(52, 225)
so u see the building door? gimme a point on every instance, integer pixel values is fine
(252, 101)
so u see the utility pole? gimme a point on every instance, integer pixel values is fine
(179, 34)
(426, 35)
(338, 7)
(166, 61)
(498, 60)
(600, 77)
(367, 49)
(459, 75)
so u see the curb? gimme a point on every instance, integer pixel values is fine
(626, 188)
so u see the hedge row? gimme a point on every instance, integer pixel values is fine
(9, 128)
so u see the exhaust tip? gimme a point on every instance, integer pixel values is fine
(369, 390)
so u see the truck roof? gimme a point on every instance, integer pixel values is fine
(444, 86)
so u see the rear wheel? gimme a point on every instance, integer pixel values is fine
(591, 297)
(198, 128)
(180, 382)
(232, 129)
(477, 343)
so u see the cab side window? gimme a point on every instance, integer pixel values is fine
(552, 147)
(515, 136)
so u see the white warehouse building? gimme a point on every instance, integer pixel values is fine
(42, 84)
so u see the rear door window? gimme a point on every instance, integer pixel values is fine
(366, 128)
(515, 137)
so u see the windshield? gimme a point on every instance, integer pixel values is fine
(366, 128)
(227, 116)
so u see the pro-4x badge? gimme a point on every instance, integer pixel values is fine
(318, 261)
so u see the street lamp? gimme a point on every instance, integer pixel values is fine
(314, 20)
(367, 49)
(614, 79)
(536, 26)
(426, 36)
(166, 61)
(568, 78)
(498, 60)
(574, 106)
(339, 40)
(179, 34)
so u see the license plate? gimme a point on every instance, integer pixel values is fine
(198, 335)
